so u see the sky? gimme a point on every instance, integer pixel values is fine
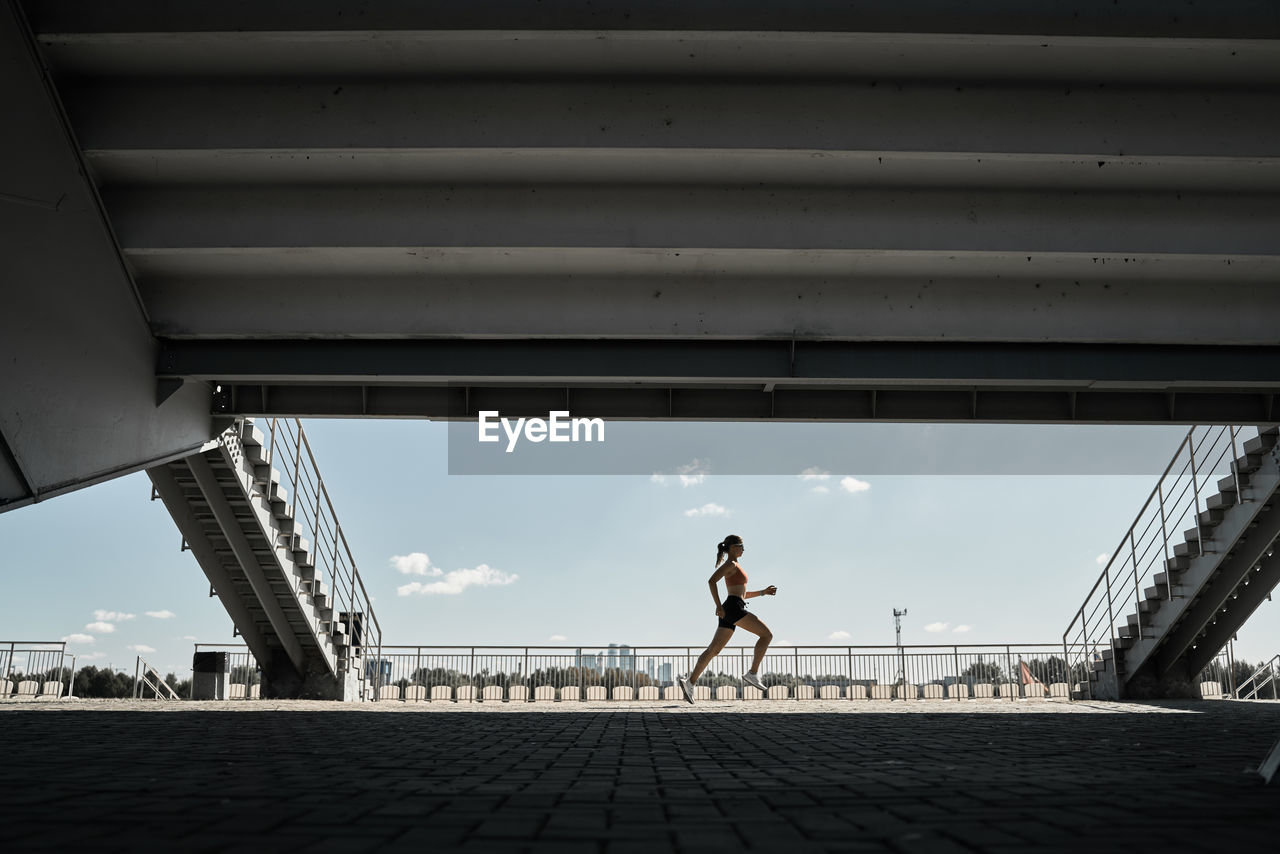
(589, 560)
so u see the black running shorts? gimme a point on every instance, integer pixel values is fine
(734, 609)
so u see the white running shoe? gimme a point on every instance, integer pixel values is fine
(754, 681)
(683, 682)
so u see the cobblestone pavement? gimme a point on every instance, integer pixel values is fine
(912, 778)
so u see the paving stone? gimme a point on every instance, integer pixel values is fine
(639, 777)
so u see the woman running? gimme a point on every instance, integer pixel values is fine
(732, 613)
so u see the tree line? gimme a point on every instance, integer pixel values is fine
(100, 683)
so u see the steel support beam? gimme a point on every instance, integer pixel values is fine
(462, 402)
(1217, 613)
(1015, 365)
(230, 525)
(1224, 19)
(210, 563)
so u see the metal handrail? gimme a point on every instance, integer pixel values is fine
(999, 665)
(316, 520)
(1146, 547)
(42, 658)
(538, 667)
(145, 674)
(1272, 671)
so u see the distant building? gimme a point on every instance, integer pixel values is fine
(665, 675)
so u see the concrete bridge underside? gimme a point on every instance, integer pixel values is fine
(1057, 212)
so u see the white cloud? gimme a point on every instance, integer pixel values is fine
(111, 616)
(689, 474)
(101, 628)
(814, 473)
(161, 615)
(936, 627)
(141, 647)
(90, 656)
(458, 580)
(558, 638)
(852, 484)
(840, 635)
(1102, 559)
(822, 490)
(707, 510)
(416, 563)
(785, 643)
(962, 628)
(78, 638)
(187, 637)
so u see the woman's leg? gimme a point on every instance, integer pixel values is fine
(756, 626)
(718, 642)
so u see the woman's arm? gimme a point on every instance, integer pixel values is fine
(719, 573)
(768, 591)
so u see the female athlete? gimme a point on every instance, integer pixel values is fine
(732, 613)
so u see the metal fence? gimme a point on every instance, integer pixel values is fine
(149, 684)
(1174, 505)
(492, 672)
(1221, 670)
(1262, 684)
(997, 671)
(32, 668)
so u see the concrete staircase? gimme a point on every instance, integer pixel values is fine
(1182, 604)
(250, 539)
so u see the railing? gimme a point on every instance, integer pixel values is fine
(244, 676)
(1010, 670)
(1221, 670)
(147, 678)
(42, 662)
(1173, 506)
(1266, 676)
(289, 451)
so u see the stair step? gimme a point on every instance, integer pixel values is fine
(1158, 593)
(1222, 499)
(1178, 564)
(264, 474)
(250, 435)
(1230, 483)
(1187, 550)
(1247, 464)
(1264, 442)
(1260, 444)
(1209, 518)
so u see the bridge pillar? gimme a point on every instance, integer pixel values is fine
(281, 681)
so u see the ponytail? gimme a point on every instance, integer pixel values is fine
(722, 547)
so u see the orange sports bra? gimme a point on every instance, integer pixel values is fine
(735, 578)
